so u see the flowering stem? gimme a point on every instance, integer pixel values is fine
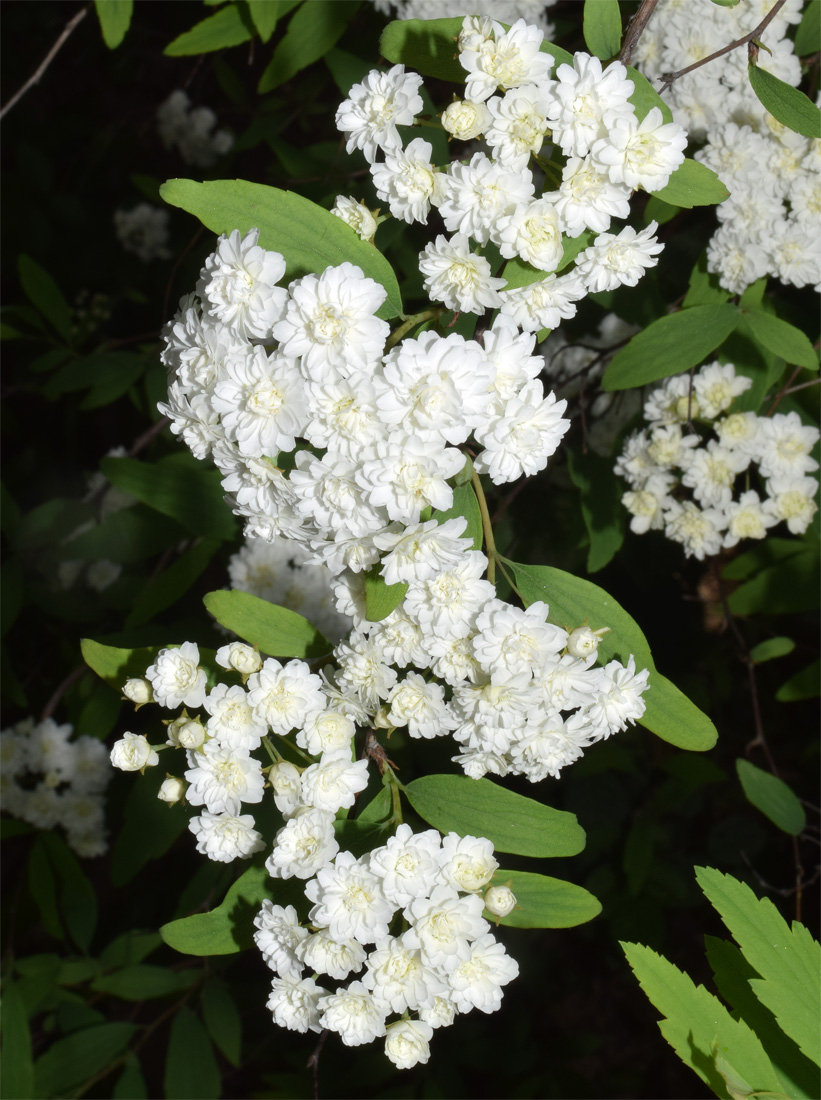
(409, 323)
(487, 526)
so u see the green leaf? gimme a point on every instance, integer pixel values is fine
(191, 1070)
(544, 902)
(115, 19)
(78, 899)
(695, 1020)
(43, 293)
(808, 35)
(264, 14)
(229, 928)
(645, 97)
(693, 184)
(703, 288)
(602, 27)
(277, 631)
(230, 26)
(43, 889)
(772, 796)
(804, 685)
(465, 504)
(130, 1085)
(72, 1060)
(783, 588)
(129, 948)
(314, 30)
(188, 492)
(572, 602)
(16, 1066)
(381, 598)
(115, 665)
(126, 536)
(781, 338)
(221, 1016)
(149, 827)
(601, 506)
(309, 237)
(786, 104)
(788, 960)
(143, 982)
(771, 648)
(105, 371)
(768, 552)
(670, 345)
(477, 807)
(166, 588)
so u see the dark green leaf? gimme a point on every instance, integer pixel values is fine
(693, 184)
(115, 19)
(771, 648)
(465, 504)
(277, 631)
(781, 338)
(103, 371)
(772, 796)
(221, 1016)
(100, 712)
(378, 808)
(228, 27)
(544, 902)
(11, 593)
(78, 899)
(703, 288)
(185, 490)
(601, 506)
(143, 982)
(477, 807)
(71, 1061)
(769, 552)
(638, 854)
(574, 601)
(16, 1066)
(602, 27)
(191, 1070)
(149, 827)
(789, 586)
(806, 684)
(264, 14)
(380, 598)
(43, 292)
(661, 212)
(786, 104)
(130, 1085)
(309, 237)
(165, 589)
(44, 889)
(808, 35)
(129, 948)
(670, 345)
(313, 30)
(126, 536)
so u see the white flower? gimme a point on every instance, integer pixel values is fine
(407, 181)
(407, 1043)
(334, 782)
(511, 641)
(443, 925)
(477, 195)
(785, 444)
(279, 936)
(791, 500)
(303, 845)
(353, 1014)
(376, 107)
(716, 385)
(467, 862)
(171, 790)
(284, 696)
(349, 901)
(423, 549)
(286, 783)
(261, 401)
(238, 283)
(222, 779)
(524, 435)
(457, 277)
(532, 232)
(544, 304)
(613, 261)
(176, 678)
(465, 120)
(641, 154)
(699, 531)
(326, 955)
(408, 864)
(476, 982)
(224, 838)
(356, 215)
(587, 199)
(511, 60)
(232, 719)
(586, 101)
(295, 1004)
(137, 691)
(619, 700)
(420, 706)
(330, 731)
(132, 753)
(747, 519)
(143, 230)
(398, 977)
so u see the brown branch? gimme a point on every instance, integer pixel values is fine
(313, 1061)
(47, 60)
(782, 392)
(60, 691)
(669, 78)
(635, 29)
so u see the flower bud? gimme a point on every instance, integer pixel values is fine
(499, 900)
(583, 641)
(240, 657)
(132, 753)
(465, 120)
(171, 790)
(191, 735)
(138, 691)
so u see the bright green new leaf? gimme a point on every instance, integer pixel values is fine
(277, 631)
(115, 665)
(191, 1069)
(381, 598)
(670, 345)
(806, 684)
(222, 1019)
(693, 184)
(771, 648)
(177, 486)
(781, 338)
(772, 796)
(313, 30)
(695, 1020)
(544, 902)
(44, 294)
(786, 104)
(788, 960)
(264, 14)
(115, 19)
(573, 602)
(144, 982)
(602, 27)
(230, 26)
(808, 35)
(309, 237)
(16, 1065)
(465, 504)
(477, 807)
(72, 1060)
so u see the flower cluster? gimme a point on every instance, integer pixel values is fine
(772, 220)
(683, 481)
(444, 962)
(190, 130)
(601, 151)
(49, 780)
(143, 230)
(506, 11)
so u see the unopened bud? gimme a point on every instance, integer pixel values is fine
(171, 790)
(499, 900)
(191, 735)
(583, 641)
(240, 657)
(138, 691)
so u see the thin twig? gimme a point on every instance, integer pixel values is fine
(313, 1061)
(803, 386)
(635, 29)
(142, 441)
(669, 78)
(47, 60)
(60, 691)
(781, 392)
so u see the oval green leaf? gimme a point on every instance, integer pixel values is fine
(380, 598)
(191, 1068)
(72, 1060)
(781, 338)
(771, 648)
(465, 504)
(808, 35)
(693, 184)
(602, 27)
(115, 19)
(477, 807)
(313, 30)
(786, 104)
(670, 345)
(309, 237)
(145, 982)
(544, 902)
(804, 685)
(277, 631)
(772, 796)
(228, 27)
